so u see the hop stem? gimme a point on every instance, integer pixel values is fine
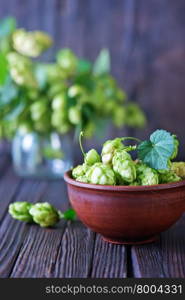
(80, 142)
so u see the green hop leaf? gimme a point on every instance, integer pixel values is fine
(102, 64)
(69, 214)
(7, 26)
(8, 92)
(157, 151)
(83, 66)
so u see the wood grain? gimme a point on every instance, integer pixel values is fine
(165, 258)
(9, 186)
(12, 232)
(109, 261)
(38, 253)
(74, 258)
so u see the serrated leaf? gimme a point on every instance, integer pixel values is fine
(102, 64)
(157, 151)
(7, 26)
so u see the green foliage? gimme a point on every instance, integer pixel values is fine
(102, 64)
(3, 68)
(69, 214)
(68, 94)
(157, 151)
(7, 26)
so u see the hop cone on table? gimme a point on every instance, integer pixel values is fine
(21, 211)
(43, 214)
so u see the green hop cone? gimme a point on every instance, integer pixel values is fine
(38, 109)
(135, 116)
(74, 115)
(80, 171)
(168, 176)
(124, 166)
(82, 179)
(20, 211)
(60, 122)
(178, 168)
(92, 157)
(55, 73)
(21, 70)
(44, 214)
(146, 175)
(67, 60)
(75, 91)
(109, 148)
(101, 174)
(59, 102)
(31, 43)
(119, 115)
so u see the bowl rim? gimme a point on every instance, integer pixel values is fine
(127, 188)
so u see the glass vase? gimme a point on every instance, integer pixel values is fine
(40, 156)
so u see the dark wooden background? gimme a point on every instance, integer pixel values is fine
(146, 39)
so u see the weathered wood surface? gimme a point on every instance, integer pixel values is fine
(165, 258)
(146, 40)
(70, 249)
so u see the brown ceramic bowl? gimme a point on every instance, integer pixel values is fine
(127, 214)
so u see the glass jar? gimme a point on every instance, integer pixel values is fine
(40, 156)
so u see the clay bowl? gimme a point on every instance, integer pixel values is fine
(127, 214)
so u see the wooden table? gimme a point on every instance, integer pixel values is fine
(71, 249)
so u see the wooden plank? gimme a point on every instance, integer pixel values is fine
(109, 261)
(74, 258)
(12, 232)
(38, 254)
(9, 186)
(165, 258)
